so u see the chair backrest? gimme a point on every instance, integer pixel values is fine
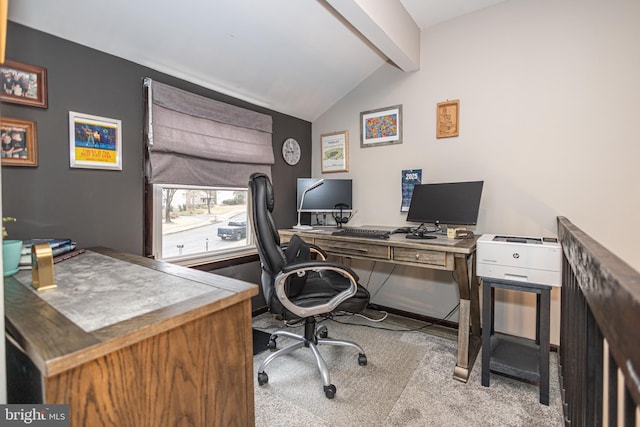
(266, 235)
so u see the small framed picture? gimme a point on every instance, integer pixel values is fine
(447, 120)
(19, 142)
(94, 142)
(335, 151)
(23, 84)
(381, 127)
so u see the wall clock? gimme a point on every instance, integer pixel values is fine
(291, 151)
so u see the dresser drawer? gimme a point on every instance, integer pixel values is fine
(420, 256)
(356, 249)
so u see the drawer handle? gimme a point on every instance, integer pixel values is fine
(353, 250)
(417, 256)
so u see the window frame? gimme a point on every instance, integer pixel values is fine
(202, 257)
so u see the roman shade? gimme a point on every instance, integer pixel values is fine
(194, 140)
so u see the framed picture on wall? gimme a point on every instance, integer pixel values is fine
(447, 120)
(335, 151)
(381, 127)
(94, 142)
(23, 84)
(19, 142)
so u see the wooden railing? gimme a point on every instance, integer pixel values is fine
(599, 338)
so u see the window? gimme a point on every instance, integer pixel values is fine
(198, 224)
(194, 142)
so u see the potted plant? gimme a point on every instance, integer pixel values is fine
(11, 250)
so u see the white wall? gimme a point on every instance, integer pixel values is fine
(549, 118)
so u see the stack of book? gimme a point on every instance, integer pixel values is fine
(59, 247)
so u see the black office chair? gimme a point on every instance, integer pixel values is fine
(298, 287)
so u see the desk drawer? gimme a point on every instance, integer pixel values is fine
(420, 256)
(286, 238)
(357, 249)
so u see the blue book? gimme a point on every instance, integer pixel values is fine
(54, 242)
(25, 258)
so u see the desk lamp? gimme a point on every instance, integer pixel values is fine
(298, 226)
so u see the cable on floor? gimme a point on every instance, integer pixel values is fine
(429, 324)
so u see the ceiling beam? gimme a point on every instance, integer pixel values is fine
(387, 25)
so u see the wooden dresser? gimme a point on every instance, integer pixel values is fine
(128, 341)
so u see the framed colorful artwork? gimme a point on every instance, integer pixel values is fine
(94, 142)
(381, 127)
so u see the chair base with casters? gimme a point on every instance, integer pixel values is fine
(313, 337)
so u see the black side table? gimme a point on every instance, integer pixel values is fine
(516, 356)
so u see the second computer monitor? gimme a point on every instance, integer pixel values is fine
(455, 203)
(325, 197)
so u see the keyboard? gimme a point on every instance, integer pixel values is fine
(362, 232)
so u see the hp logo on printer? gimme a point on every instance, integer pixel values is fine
(516, 255)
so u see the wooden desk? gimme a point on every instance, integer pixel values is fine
(438, 254)
(128, 341)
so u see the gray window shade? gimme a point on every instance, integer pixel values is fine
(193, 140)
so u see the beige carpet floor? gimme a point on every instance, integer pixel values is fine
(408, 381)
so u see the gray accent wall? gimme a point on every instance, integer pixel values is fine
(101, 207)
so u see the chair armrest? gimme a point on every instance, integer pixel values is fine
(318, 250)
(317, 265)
(303, 267)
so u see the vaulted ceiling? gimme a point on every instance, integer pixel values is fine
(298, 57)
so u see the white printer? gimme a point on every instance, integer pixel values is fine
(523, 259)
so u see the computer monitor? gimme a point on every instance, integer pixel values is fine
(325, 197)
(454, 203)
